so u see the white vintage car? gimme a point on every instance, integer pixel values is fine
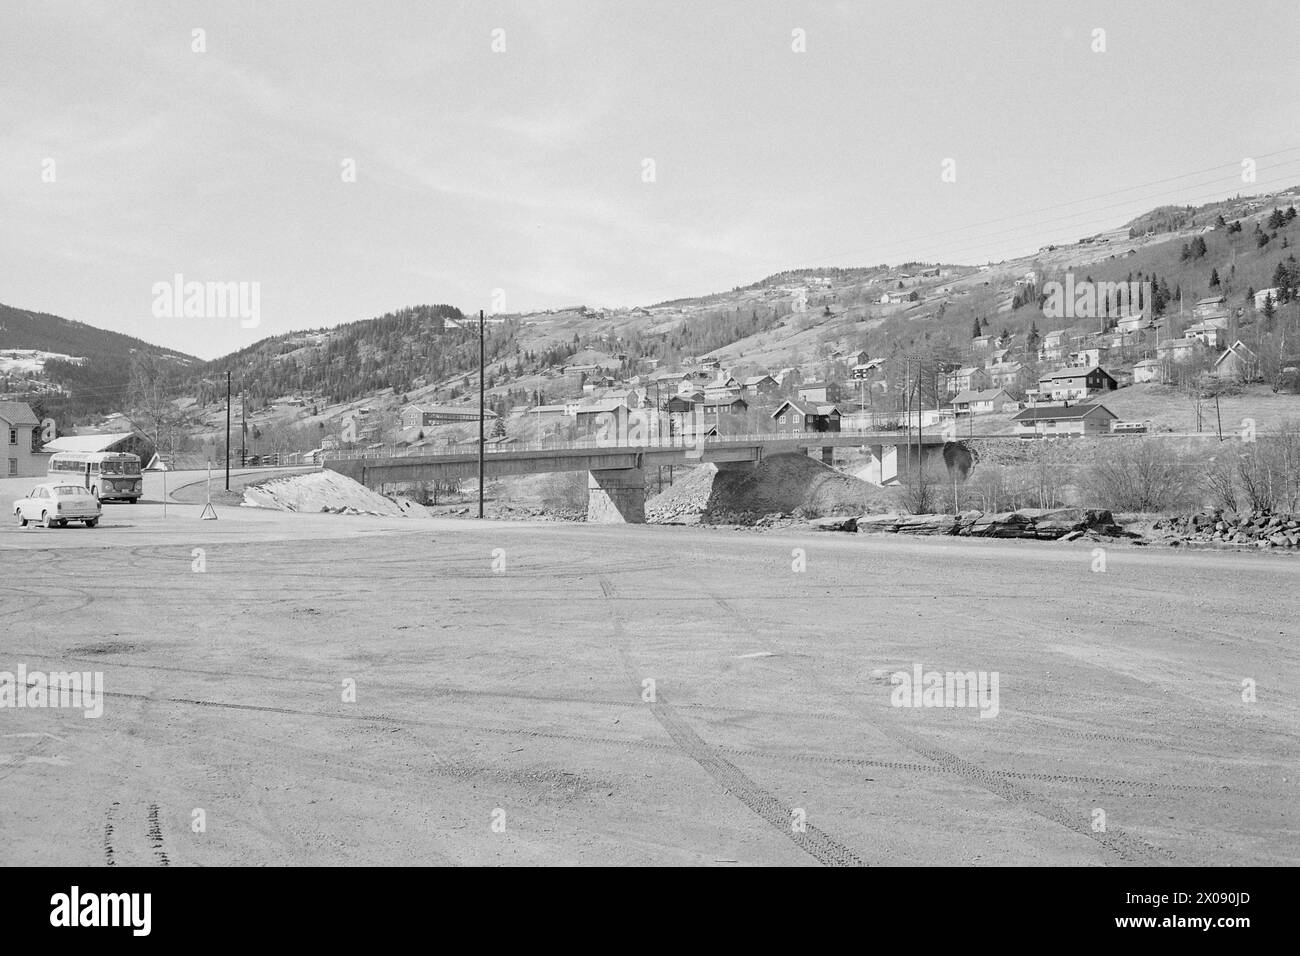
(56, 503)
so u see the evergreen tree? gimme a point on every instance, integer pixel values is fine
(1214, 278)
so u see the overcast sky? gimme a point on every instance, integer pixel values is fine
(524, 169)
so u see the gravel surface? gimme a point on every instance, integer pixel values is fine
(519, 695)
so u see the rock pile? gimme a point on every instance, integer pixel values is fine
(558, 513)
(779, 488)
(1262, 529)
(1039, 524)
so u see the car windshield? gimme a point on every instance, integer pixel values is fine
(110, 467)
(65, 490)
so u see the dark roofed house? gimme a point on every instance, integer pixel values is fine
(756, 386)
(714, 408)
(1055, 420)
(1076, 382)
(1213, 305)
(797, 418)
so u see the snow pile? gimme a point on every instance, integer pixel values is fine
(323, 491)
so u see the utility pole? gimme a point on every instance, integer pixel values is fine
(920, 451)
(227, 431)
(906, 404)
(481, 354)
(243, 432)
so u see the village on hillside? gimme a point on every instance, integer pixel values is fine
(1050, 353)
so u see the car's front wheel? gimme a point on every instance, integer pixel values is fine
(22, 522)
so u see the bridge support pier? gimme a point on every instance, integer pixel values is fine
(883, 467)
(616, 496)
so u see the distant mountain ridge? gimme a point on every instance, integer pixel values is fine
(784, 319)
(25, 329)
(93, 382)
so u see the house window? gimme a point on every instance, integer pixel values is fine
(13, 467)
(13, 436)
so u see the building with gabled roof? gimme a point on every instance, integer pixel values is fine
(1044, 421)
(985, 400)
(1237, 364)
(20, 435)
(1076, 382)
(800, 417)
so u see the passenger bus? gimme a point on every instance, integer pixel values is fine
(109, 475)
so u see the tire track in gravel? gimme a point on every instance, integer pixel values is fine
(156, 836)
(1127, 847)
(812, 840)
(739, 752)
(118, 854)
(109, 826)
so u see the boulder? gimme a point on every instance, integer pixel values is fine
(835, 523)
(885, 522)
(927, 524)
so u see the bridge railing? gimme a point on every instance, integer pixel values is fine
(652, 443)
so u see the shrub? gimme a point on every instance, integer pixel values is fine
(1138, 475)
(929, 492)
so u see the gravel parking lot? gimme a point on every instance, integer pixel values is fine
(503, 714)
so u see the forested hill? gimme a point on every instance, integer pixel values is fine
(24, 329)
(403, 349)
(95, 377)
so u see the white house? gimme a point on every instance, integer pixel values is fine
(1207, 333)
(1131, 322)
(1178, 350)
(988, 400)
(1093, 355)
(966, 379)
(1055, 420)
(20, 431)
(1147, 370)
(1263, 295)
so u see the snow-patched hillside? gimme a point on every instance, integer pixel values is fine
(25, 361)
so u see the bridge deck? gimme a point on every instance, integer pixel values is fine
(594, 455)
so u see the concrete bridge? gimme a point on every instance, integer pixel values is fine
(616, 472)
